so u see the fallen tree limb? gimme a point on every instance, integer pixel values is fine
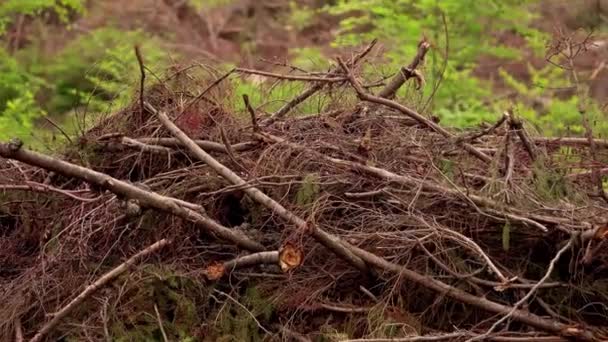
(104, 280)
(287, 257)
(14, 151)
(320, 235)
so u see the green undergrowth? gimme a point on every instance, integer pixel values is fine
(93, 74)
(177, 298)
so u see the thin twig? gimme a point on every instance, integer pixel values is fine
(254, 120)
(104, 280)
(529, 294)
(160, 324)
(279, 114)
(142, 79)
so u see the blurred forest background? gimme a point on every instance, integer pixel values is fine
(65, 62)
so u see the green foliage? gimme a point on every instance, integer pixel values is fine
(400, 24)
(300, 16)
(18, 107)
(10, 8)
(309, 189)
(209, 4)
(550, 183)
(97, 72)
(472, 28)
(236, 323)
(176, 299)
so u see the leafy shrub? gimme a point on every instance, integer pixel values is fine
(97, 72)
(10, 8)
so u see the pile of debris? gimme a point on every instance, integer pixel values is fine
(177, 218)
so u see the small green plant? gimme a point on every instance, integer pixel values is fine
(309, 190)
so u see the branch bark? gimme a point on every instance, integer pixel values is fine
(121, 188)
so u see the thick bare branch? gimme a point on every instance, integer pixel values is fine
(124, 189)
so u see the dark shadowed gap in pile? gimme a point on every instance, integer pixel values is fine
(53, 244)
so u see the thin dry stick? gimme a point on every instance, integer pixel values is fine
(142, 79)
(206, 144)
(104, 280)
(529, 294)
(160, 324)
(320, 235)
(39, 187)
(407, 111)
(484, 132)
(279, 114)
(324, 79)
(18, 331)
(567, 141)
(528, 143)
(423, 338)
(254, 120)
(124, 189)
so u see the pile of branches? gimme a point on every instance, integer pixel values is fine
(371, 219)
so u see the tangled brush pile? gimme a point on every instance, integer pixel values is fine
(177, 219)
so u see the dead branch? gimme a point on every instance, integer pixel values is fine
(39, 187)
(484, 132)
(146, 198)
(104, 280)
(142, 79)
(423, 338)
(567, 141)
(400, 78)
(517, 126)
(329, 241)
(327, 79)
(407, 111)
(279, 114)
(254, 120)
(205, 144)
